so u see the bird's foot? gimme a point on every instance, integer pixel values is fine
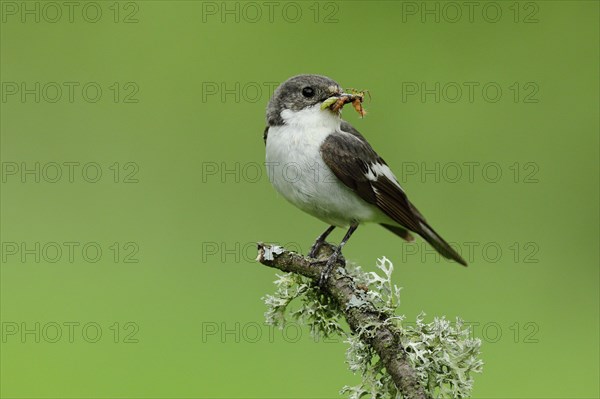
(317, 262)
(315, 249)
(328, 267)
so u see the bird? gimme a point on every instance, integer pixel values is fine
(321, 164)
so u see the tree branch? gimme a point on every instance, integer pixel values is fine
(385, 340)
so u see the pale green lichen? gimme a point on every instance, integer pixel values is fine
(442, 353)
(316, 310)
(271, 251)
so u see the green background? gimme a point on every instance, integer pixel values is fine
(194, 294)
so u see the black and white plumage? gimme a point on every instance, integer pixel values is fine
(324, 166)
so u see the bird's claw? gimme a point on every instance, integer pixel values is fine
(328, 268)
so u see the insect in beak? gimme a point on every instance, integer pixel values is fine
(337, 102)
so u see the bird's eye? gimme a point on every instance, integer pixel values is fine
(308, 91)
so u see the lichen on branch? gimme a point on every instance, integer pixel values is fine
(395, 359)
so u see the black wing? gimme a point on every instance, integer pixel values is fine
(359, 167)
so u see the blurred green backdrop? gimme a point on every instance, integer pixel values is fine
(487, 112)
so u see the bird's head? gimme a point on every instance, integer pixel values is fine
(306, 92)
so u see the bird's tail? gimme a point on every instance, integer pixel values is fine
(399, 231)
(440, 245)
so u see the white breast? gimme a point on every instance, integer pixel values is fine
(297, 171)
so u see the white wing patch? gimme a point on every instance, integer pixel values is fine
(378, 169)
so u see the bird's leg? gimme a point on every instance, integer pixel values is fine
(334, 256)
(315, 247)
